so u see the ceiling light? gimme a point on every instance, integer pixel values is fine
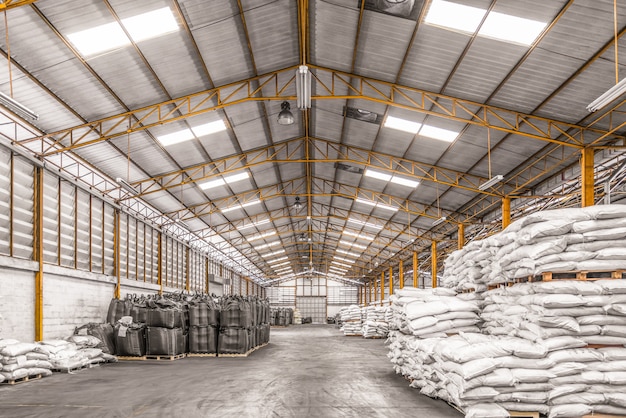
(366, 224)
(439, 221)
(281, 264)
(126, 186)
(111, 35)
(377, 205)
(277, 260)
(402, 124)
(264, 235)
(405, 182)
(235, 207)
(388, 177)
(491, 182)
(608, 96)
(352, 244)
(14, 106)
(347, 253)
(271, 244)
(285, 117)
(303, 87)
(263, 222)
(438, 133)
(352, 234)
(298, 204)
(273, 254)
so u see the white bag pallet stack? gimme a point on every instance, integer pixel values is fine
(375, 323)
(560, 319)
(22, 361)
(352, 322)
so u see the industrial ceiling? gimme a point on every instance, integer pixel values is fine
(416, 105)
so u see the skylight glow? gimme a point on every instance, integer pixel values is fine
(438, 133)
(278, 259)
(209, 128)
(405, 182)
(226, 179)
(273, 254)
(341, 264)
(347, 253)
(388, 177)
(245, 205)
(263, 222)
(360, 236)
(377, 205)
(263, 235)
(352, 244)
(367, 224)
(281, 264)
(175, 137)
(377, 174)
(346, 260)
(500, 26)
(402, 125)
(271, 244)
(111, 35)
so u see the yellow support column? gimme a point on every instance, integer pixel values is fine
(375, 290)
(461, 237)
(586, 172)
(401, 274)
(506, 212)
(433, 257)
(415, 270)
(160, 266)
(116, 253)
(382, 286)
(38, 252)
(390, 280)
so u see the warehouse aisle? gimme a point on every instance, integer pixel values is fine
(305, 371)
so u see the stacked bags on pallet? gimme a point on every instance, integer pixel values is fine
(375, 323)
(351, 319)
(20, 360)
(74, 353)
(281, 317)
(166, 326)
(204, 322)
(244, 324)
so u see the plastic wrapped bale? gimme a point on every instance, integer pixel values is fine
(130, 339)
(165, 341)
(203, 339)
(232, 341)
(165, 318)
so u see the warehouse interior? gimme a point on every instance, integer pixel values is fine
(314, 153)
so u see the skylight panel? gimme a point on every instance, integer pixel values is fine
(360, 236)
(271, 244)
(402, 124)
(341, 264)
(110, 36)
(438, 133)
(276, 260)
(235, 207)
(175, 137)
(376, 205)
(498, 26)
(347, 253)
(264, 235)
(99, 39)
(377, 175)
(273, 254)
(151, 24)
(281, 264)
(263, 222)
(209, 128)
(405, 182)
(511, 28)
(368, 224)
(454, 16)
(352, 244)
(347, 260)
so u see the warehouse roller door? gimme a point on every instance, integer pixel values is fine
(313, 307)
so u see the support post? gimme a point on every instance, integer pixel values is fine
(506, 212)
(116, 253)
(415, 270)
(38, 252)
(433, 259)
(390, 280)
(586, 172)
(160, 266)
(401, 274)
(382, 286)
(461, 237)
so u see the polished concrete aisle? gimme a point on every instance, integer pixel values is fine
(305, 371)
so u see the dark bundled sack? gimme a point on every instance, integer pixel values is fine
(165, 318)
(204, 312)
(233, 341)
(235, 312)
(117, 309)
(203, 339)
(103, 332)
(130, 340)
(165, 341)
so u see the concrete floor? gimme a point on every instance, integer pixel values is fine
(305, 371)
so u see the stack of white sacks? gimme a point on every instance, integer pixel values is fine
(351, 318)
(20, 360)
(534, 353)
(375, 323)
(76, 352)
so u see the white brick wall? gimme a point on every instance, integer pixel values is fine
(17, 313)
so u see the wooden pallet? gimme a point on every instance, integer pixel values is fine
(524, 414)
(604, 416)
(246, 354)
(468, 290)
(22, 380)
(132, 358)
(201, 354)
(376, 337)
(75, 369)
(579, 275)
(164, 357)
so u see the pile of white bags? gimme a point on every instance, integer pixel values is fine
(433, 313)
(585, 239)
(351, 319)
(20, 360)
(77, 352)
(375, 323)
